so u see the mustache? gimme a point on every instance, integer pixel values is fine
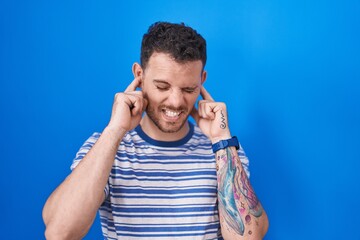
(164, 106)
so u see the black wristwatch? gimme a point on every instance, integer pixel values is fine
(232, 142)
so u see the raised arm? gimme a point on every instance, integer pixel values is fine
(241, 214)
(71, 209)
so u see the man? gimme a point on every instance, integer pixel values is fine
(154, 175)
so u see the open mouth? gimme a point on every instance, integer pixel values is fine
(171, 115)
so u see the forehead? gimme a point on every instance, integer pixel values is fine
(162, 66)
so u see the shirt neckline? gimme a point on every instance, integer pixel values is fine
(176, 143)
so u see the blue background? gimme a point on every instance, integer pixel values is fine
(289, 72)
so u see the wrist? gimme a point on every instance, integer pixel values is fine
(223, 144)
(220, 138)
(115, 132)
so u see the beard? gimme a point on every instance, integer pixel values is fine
(154, 113)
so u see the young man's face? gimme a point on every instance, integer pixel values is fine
(171, 89)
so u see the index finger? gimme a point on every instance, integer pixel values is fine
(205, 94)
(133, 85)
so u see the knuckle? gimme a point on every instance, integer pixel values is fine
(118, 95)
(222, 105)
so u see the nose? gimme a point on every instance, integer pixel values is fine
(176, 98)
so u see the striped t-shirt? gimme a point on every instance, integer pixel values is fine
(161, 190)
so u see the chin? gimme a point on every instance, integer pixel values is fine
(168, 127)
(167, 124)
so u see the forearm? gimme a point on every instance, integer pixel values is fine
(72, 207)
(241, 214)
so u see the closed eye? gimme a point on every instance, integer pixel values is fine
(189, 90)
(162, 88)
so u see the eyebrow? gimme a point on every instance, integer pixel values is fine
(161, 81)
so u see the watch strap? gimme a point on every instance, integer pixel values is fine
(232, 142)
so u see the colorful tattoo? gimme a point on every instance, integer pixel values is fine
(249, 195)
(237, 199)
(242, 209)
(247, 219)
(227, 202)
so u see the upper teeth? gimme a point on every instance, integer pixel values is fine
(171, 113)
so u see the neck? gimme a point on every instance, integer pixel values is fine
(149, 127)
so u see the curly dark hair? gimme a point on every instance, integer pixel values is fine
(182, 42)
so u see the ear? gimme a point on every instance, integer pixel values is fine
(203, 77)
(137, 70)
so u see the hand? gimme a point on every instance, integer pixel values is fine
(211, 117)
(128, 108)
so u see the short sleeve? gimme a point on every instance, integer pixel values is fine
(244, 160)
(84, 149)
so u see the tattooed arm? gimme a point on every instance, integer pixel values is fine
(241, 214)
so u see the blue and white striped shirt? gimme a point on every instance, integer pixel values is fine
(161, 190)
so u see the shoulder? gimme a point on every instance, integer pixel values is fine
(129, 138)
